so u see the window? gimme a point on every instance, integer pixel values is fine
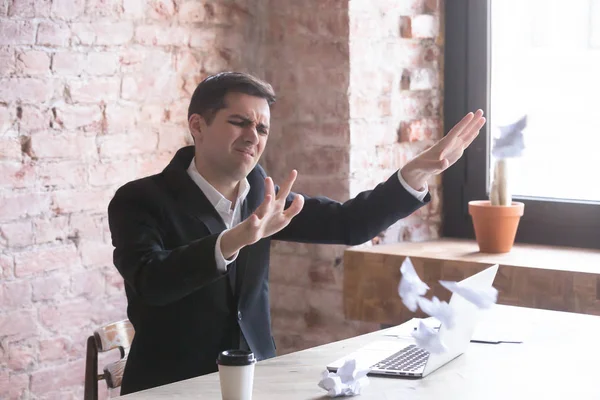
(532, 64)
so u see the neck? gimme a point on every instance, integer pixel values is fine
(227, 187)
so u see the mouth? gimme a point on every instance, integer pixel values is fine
(246, 152)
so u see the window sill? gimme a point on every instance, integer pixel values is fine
(537, 276)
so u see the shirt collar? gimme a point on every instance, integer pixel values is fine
(218, 201)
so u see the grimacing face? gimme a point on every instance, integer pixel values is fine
(233, 142)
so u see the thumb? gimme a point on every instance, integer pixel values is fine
(434, 165)
(295, 208)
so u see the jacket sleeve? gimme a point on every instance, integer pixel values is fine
(159, 276)
(355, 221)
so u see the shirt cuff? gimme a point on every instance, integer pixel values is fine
(221, 261)
(418, 194)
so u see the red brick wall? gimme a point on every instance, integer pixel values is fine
(92, 95)
(395, 99)
(311, 133)
(359, 89)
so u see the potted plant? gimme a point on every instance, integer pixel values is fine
(496, 220)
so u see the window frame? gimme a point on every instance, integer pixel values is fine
(466, 72)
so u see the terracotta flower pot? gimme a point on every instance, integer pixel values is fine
(495, 226)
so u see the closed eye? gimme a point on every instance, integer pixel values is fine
(243, 124)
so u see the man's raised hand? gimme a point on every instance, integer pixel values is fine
(269, 218)
(444, 152)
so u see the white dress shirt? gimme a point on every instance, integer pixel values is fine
(418, 194)
(233, 215)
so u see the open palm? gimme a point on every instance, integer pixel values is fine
(444, 152)
(271, 216)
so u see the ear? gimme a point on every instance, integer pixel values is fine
(197, 127)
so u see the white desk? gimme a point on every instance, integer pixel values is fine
(560, 359)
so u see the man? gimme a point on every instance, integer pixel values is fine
(192, 243)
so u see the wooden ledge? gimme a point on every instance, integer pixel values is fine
(554, 278)
(522, 255)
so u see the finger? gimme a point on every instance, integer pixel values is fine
(285, 189)
(443, 165)
(265, 207)
(252, 224)
(458, 128)
(295, 207)
(468, 138)
(465, 135)
(434, 166)
(269, 187)
(473, 124)
(254, 221)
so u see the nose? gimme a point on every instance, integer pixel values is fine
(251, 135)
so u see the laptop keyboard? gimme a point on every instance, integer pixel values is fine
(410, 358)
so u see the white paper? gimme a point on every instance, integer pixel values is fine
(438, 309)
(428, 339)
(491, 329)
(411, 286)
(482, 298)
(347, 381)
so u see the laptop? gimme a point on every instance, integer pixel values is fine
(400, 358)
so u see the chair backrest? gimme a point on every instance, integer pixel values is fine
(117, 335)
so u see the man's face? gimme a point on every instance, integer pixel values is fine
(233, 142)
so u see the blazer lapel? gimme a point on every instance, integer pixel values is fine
(193, 202)
(191, 199)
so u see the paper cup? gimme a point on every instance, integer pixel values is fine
(236, 374)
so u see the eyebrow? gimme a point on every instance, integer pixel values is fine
(247, 119)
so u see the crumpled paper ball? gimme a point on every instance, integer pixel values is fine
(429, 339)
(347, 381)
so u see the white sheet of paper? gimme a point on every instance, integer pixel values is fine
(488, 330)
(411, 287)
(481, 297)
(438, 309)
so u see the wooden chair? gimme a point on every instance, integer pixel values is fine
(116, 335)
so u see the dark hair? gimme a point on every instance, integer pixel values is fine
(209, 96)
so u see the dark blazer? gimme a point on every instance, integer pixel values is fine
(183, 309)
